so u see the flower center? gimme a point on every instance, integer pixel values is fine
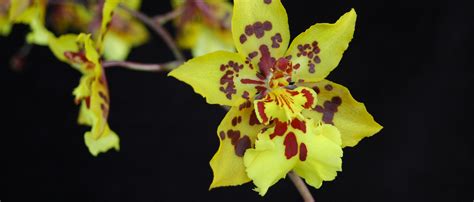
(281, 73)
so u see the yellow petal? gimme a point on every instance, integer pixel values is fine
(107, 12)
(39, 35)
(62, 44)
(267, 163)
(337, 106)
(5, 25)
(236, 133)
(284, 104)
(209, 41)
(123, 35)
(21, 11)
(260, 31)
(319, 49)
(323, 152)
(115, 48)
(107, 140)
(84, 89)
(222, 77)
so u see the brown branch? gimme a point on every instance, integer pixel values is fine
(141, 66)
(158, 29)
(301, 186)
(164, 18)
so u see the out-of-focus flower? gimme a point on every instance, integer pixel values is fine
(30, 12)
(204, 26)
(82, 53)
(125, 32)
(284, 116)
(70, 15)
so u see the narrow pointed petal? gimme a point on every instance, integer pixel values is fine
(260, 31)
(237, 133)
(107, 12)
(336, 106)
(318, 50)
(222, 77)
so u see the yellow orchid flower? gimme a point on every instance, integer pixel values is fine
(204, 26)
(284, 116)
(92, 93)
(70, 15)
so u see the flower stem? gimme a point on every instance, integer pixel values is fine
(158, 29)
(141, 66)
(301, 186)
(164, 18)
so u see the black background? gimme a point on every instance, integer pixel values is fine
(410, 62)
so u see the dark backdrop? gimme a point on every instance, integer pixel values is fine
(410, 62)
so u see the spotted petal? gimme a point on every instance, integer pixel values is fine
(260, 31)
(237, 133)
(267, 162)
(318, 50)
(322, 145)
(337, 106)
(62, 44)
(222, 77)
(94, 112)
(284, 104)
(107, 12)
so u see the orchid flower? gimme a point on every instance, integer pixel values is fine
(204, 26)
(82, 53)
(283, 114)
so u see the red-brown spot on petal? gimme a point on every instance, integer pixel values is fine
(328, 87)
(309, 98)
(303, 152)
(266, 60)
(316, 89)
(267, 1)
(300, 125)
(253, 119)
(251, 81)
(242, 38)
(329, 109)
(245, 95)
(234, 121)
(291, 146)
(267, 25)
(317, 60)
(88, 102)
(222, 135)
(249, 30)
(242, 145)
(261, 111)
(234, 135)
(276, 40)
(103, 96)
(311, 68)
(280, 129)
